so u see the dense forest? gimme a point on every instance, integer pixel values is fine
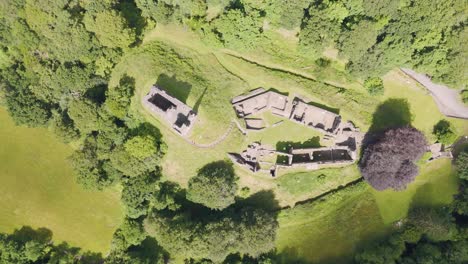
(56, 58)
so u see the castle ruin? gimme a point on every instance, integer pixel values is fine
(177, 114)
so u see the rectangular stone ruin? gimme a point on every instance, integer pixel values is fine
(174, 112)
(315, 117)
(297, 110)
(260, 100)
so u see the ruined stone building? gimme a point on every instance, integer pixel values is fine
(308, 158)
(177, 114)
(260, 100)
(253, 156)
(315, 117)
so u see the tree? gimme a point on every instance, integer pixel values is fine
(214, 186)
(84, 114)
(237, 30)
(247, 232)
(25, 108)
(141, 147)
(110, 28)
(389, 162)
(138, 193)
(462, 165)
(119, 98)
(63, 127)
(443, 131)
(374, 86)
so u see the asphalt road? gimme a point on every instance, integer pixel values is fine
(448, 100)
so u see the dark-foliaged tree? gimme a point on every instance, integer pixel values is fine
(389, 162)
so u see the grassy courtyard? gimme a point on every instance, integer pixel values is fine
(38, 189)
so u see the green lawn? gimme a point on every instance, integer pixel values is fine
(304, 185)
(435, 185)
(38, 189)
(331, 229)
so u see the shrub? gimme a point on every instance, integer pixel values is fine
(464, 95)
(443, 131)
(374, 86)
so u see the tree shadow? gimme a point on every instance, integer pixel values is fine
(199, 100)
(290, 255)
(132, 15)
(148, 251)
(97, 93)
(57, 252)
(27, 233)
(264, 199)
(284, 146)
(460, 145)
(394, 112)
(174, 87)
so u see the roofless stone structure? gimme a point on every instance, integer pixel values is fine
(260, 100)
(177, 114)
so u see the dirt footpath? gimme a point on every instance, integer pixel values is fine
(448, 100)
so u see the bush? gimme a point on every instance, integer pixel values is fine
(389, 163)
(464, 95)
(374, 86)
(443, 131)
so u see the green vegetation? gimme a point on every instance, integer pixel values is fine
(214, 186)
(38, 189)
(81, 68)
(443, 131)
(374, 86)
(433, 233)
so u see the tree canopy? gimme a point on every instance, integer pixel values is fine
(214, 186)
(389, 162)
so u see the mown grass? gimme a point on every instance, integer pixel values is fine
(425, 113)
(435, 185)
(38, 189)
(304, 185)
(331, 229)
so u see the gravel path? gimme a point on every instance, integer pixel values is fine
(448, 100)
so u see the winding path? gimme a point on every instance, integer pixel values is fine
(448, 100)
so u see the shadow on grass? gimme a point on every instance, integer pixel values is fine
(174, 87)
(263, 199)
(284, 146)
(198, 102)
(394, 112)
(43, 236)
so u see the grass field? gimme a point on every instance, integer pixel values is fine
(435, 185)
(37, 189)
(331, 229)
